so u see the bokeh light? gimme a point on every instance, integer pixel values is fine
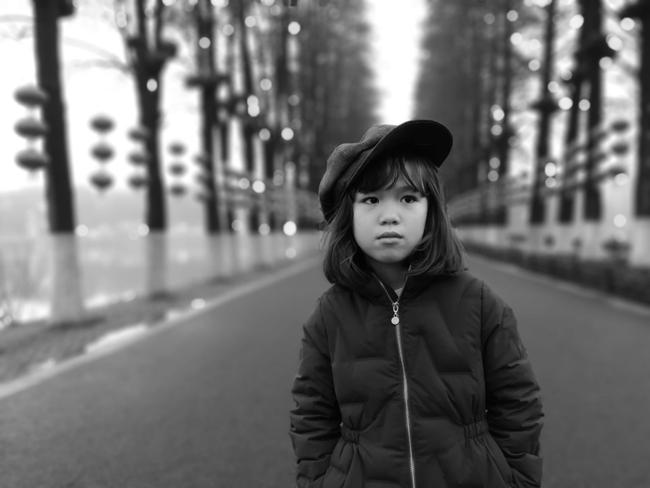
(290, 228)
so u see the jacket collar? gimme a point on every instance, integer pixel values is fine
(368, 284)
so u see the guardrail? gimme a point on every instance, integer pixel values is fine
(60, 277)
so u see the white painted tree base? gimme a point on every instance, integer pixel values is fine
(590, 234)
(495, 236)
(640, 243)
(63, 278)
(66, 286)
(156, 255)
(565, 235)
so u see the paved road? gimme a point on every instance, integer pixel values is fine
(592, 358)
(204, 404)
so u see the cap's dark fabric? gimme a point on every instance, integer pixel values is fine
(426, 137)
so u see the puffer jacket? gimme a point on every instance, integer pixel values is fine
(430, 390)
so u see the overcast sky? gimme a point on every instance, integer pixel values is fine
(397, 29)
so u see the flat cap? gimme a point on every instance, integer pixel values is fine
(423, 137)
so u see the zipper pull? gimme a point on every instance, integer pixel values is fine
(395, 319)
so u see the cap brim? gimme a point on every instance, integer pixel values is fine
(423, 137)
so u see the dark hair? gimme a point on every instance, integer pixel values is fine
(439, 251)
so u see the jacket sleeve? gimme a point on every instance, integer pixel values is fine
(315, 418)
(513, 400)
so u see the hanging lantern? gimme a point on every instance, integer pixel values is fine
(138, 134)
(102, 151)
(167, 48)
(201, 160)
(600, 133)
(177, 168)
(177, 148)
(617, 169)
(600, 157)
(134, 41)
(101, 180)
(102, 124)
(203, 79)
(178, 189)
(547, 104)
(620, 125)
(137, 158)
(30, 96)
(620, 148)
(194, 80)
(137, 181)
(201, 178)
(32, 160)
(30, 128)
(223, 114)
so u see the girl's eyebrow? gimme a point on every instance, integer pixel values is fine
(406, 188)
(400, 188)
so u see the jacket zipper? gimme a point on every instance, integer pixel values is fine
(407, 415)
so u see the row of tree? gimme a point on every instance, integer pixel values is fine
(472, 82)
(296, 76)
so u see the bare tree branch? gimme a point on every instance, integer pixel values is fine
(107, 55)
(101, 63)
(16, 18)
(16, 32)
(19, 34)
(158, 23)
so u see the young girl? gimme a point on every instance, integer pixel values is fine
(412, 373)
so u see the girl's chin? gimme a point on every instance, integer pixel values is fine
(390, 258)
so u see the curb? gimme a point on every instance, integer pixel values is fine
(568, 286)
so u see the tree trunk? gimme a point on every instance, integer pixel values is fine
(147, 63)
(592, 11)
(58, 186)
(149, 102)
(537, 204)
(209, 128)
(281, 103)
(486, 216)
(248, 130)
(503, 142)
(642, 190)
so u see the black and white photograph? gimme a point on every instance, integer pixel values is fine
(325, 244)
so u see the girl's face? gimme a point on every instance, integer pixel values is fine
(389, 223)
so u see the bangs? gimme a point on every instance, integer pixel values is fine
(384, 173)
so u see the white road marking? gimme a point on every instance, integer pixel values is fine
(629, 306)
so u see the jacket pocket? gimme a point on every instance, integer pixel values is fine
(334, 477)
(498, 460)
(338, 470)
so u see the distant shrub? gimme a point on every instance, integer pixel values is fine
(612, 275)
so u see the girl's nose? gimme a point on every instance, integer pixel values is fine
(389, 216)
(389, 221)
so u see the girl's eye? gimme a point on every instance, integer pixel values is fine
(410, 198)
(370, 200)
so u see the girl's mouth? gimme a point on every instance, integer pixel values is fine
(389, 235)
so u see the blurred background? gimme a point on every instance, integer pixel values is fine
(153, 145)
(134, 119)
(125, 120)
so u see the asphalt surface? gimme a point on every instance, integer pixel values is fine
(205, 403)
